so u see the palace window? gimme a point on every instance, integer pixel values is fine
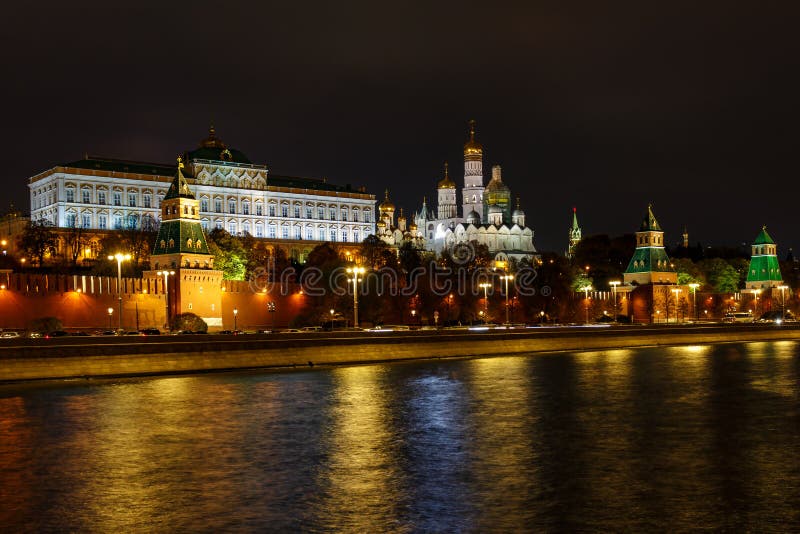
(86, 220)
(333, 214)
(356, 236)
(132, 200)
(343, 213)
(117, 199)
(297, 233)
(85, 195)
(271, 231)
(147, 200)
(218, 225)
(232, 228)
(297, 212)
(203, 204)
(71, 218)
(333, 236)
(355, 215)
(309, 234)
(320, 213)
(285, 232)
(284, 210)
(259, 231)
(102, 222)
(322, 234)
(218, 205)
(344, 236)
(204, 224)
(308, 213)
(272, 210)
(117, 222)
(70, 195)
(246, 208)
(231, 206)
(367, 216)
(259, 209)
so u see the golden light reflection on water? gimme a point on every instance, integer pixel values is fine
(361, 480)
(501, 444)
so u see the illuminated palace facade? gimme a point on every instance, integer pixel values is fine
(98, 195)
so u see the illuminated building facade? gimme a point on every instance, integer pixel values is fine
(100, 194)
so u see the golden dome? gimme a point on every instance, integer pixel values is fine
(446, 182)
(472, 148)
(401, 217)
(386, 205)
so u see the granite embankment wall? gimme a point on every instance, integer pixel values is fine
(38, 359)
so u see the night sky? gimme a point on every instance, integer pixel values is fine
(603, 106)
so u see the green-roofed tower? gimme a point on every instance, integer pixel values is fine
(181, 254)
(650, 263)
(764, 271)
(574, 233)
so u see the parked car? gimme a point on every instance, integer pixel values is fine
(9, 334)
(150, 332)
(57, 333)
(777, 317)
(738, 317)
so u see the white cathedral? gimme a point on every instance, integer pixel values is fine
(487, 217)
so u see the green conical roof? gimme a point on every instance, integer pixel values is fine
(575, 219)
(764, 238)
(649, 223)
(179, 187)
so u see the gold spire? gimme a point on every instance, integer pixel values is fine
(386, 205)
(446, 182)
(472, 149)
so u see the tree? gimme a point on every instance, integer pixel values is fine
(376, 253)
(75, 241)
(719, 273)
(230, 256)
(688, 272)
(38, 240)
(189, 322)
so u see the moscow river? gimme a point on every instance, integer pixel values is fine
(682, 438)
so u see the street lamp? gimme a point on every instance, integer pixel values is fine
(586, 290)
(413, 316)
(485, 286)
(677, 294)
(783, 299)
(120, 257)
(166, 275)
(756, 292)
(110, 313)
(614, 284)
(356, 272)
(235, 315)
(506, 278)
(694, 287)
(271, 308)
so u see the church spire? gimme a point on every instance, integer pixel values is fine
(179, 187)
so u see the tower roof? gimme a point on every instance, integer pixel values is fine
(179, 187)
(446, 182)
(763, 237)
(212, 148)
(575, 219)
(472, 148)
(386, 205)
(649, 223)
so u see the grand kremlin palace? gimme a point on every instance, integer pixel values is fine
(99, 194)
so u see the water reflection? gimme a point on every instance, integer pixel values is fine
(693, 437)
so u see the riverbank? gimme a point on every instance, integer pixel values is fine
(43, 359)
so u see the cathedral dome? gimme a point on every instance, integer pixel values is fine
(472, 148)
(446, 182)
(473, 217)
(386, 205)
(212, 148)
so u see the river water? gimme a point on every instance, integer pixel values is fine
(683, 438)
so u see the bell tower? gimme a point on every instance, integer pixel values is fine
(472, 194)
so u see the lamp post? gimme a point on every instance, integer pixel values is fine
(614, 284)
(166, 275)
(235, 315)
(485, 286)
(355, 272)
(783, 299)
(506, 278)
(694, 287)
(413, 316)
(271, 308)
(110, 313)
(677, 293)
(120, 257)
(586, 290)
(756, 292)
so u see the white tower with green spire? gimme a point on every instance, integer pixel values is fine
(650, 263)
(764, 271)
(574, 234)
